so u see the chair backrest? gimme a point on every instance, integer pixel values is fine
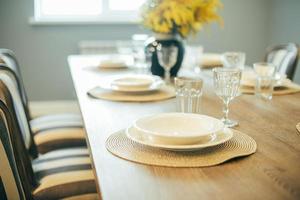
(8, 57)
(284, 57)
(10, 180)
(16, 170)
(9, 79)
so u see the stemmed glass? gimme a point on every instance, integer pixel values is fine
(234, 60)
(227, 83)
(167, 57)
(148, 58)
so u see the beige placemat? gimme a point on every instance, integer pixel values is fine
(211, 60)
(298, 127)
(121, 146)
(288, 88)
(166, 92)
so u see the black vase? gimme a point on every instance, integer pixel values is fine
(164, 40)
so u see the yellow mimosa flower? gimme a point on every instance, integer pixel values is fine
(180, 16)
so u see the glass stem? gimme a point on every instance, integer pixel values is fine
(225, 109)
(167, 76)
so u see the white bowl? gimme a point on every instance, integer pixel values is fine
(179, 128)
(110, 83)
(133, 80)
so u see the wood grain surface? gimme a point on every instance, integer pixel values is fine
(273, 172)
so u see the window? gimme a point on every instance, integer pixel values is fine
(82, 11)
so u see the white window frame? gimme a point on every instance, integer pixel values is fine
(106, 17)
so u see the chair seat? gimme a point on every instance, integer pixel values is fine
(55, 121)
(41, 108)
(65, 174)
(58, 138)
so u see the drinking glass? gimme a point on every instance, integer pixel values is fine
(167, 57)
(234, 60)
(192, 58)
(227, 83)
(265, 79)
(138, 52)
(188, 94)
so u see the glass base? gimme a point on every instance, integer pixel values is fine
(229, 123)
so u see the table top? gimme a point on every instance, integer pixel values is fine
(273, 172)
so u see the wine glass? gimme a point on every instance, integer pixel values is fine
(167, 57)
(226, 84)
(148, 58)
(234, 60)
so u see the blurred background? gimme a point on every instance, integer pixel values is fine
(42, 46)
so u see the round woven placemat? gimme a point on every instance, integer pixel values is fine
(288, 88)
(240, 145)
(165, 92)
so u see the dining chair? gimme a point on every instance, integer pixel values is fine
(44, 140)
(284, 57)
(42, 122)
(61, 174)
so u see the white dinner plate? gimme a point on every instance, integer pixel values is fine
(107, 84)
(219, 138)
(179, 128)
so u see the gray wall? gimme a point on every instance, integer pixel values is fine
(285, 25)
(249, 25)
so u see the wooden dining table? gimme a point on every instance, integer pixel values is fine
(273, 172)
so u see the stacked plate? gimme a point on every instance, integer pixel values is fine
(115, 62)
(112, 64)
(179, 131)
(132, 83)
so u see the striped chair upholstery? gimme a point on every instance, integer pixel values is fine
(43, 140)
(43, 122)
(60, 174)
(284, 57)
